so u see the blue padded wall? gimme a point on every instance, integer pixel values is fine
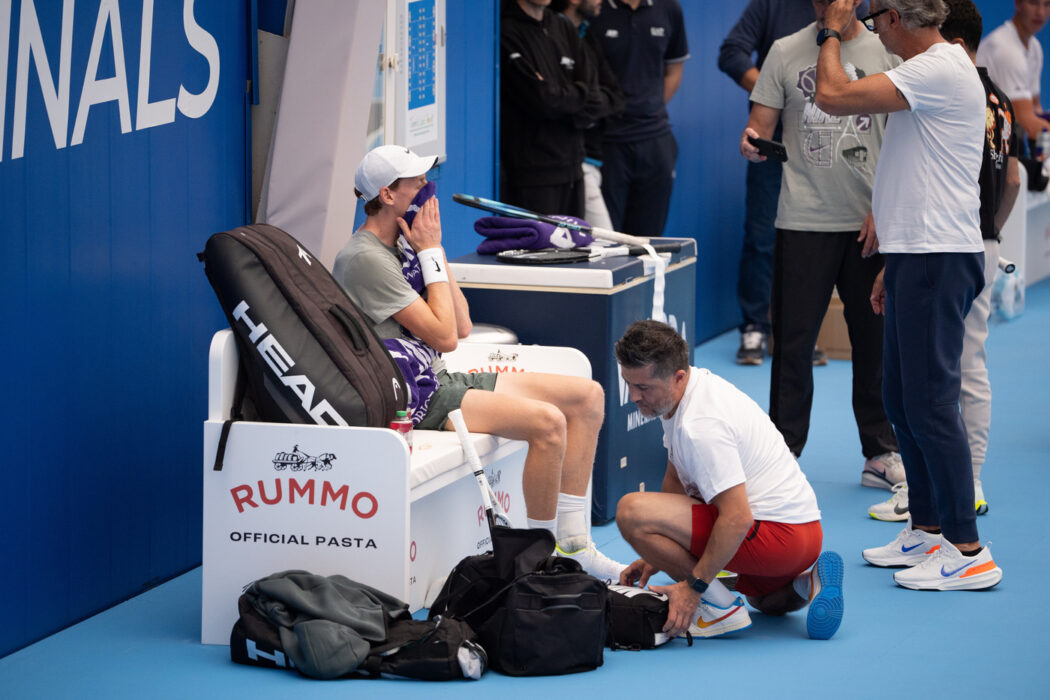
(106, 310)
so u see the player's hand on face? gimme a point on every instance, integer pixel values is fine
(682, 602)
(425, 231)
(749, 150)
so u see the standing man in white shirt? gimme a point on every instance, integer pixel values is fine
(1014, 59)
(733, 498)
(925, 203)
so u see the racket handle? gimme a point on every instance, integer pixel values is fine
(463, 434)
(617, 237)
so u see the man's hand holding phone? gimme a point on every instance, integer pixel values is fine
(756, 149)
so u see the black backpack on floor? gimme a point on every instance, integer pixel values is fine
(309, 355)
(535, 614)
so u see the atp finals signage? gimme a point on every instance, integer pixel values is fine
(102, 78)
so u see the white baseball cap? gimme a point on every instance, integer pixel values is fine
(382, 165)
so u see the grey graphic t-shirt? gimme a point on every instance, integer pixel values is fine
(831, 160)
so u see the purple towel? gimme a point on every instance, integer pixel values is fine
(505, 233)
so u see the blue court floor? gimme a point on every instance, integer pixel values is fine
(893, 643)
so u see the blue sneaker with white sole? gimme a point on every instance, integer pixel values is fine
(825, 604)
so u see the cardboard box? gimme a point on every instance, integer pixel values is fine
(833, 338)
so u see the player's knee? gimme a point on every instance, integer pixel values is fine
(547, 427)
(593, 408)
(629, 512)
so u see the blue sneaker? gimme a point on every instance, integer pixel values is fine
(825, 601)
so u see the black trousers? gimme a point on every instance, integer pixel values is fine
(567, 198)
(806, 266)
(637, 179)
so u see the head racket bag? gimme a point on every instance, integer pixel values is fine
(307, 353)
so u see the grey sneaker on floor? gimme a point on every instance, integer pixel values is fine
(895, 510)
(752, 348)
(820, 358)
(883, 471)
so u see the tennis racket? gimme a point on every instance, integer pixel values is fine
(495, 207)
(560, 256)
(493, 511)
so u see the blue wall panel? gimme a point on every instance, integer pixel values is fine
(107, 310)
(707, 115)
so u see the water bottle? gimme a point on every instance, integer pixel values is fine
(402, 423)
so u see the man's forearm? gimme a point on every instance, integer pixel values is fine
(748, 79)
(725, 539)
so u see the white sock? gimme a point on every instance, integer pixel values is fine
(541, 524)
(807, 584)
(572, 522)
(718, 594)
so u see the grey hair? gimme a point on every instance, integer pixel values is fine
(916, 14)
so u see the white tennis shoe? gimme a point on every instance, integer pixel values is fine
(594, 563)
(710, 620)
(948, 569)
(894, 510)
(883, 471)
(908, 549)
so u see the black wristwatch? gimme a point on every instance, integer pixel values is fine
(696, 584)
(825, 34)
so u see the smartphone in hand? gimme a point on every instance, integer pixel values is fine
(769, 149)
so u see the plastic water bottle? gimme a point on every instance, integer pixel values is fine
(402, 423)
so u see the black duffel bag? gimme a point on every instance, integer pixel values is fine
(535, 614)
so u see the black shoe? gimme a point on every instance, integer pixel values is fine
(752, 348)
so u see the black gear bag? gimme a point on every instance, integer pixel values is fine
(441, 649)
(308, 353)
(636, 618)
(535, 614)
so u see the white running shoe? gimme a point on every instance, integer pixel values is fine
(883, 471)
(980, 505)
(712, 621)
(948, 569)
(595, 563)
(910, 548)
(895, 510)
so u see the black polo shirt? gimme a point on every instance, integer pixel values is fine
(638, 44)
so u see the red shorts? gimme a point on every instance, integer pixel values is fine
(771, 555)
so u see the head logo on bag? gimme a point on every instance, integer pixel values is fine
(280, 362)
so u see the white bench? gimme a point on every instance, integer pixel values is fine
(350, 501)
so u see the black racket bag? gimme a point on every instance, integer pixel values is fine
(535, 614)
(309, 355)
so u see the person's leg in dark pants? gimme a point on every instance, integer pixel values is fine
(805, 265)
(919, 500)
(566, 198)
(933, 294)
(652, 181)
(865, 327)
(755, 278)
(617, 165)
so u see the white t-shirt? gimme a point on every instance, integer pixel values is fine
(926, 194)
(1013, 67)
(718, 438)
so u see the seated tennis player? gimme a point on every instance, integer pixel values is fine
(733, 498)
(395, 270)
